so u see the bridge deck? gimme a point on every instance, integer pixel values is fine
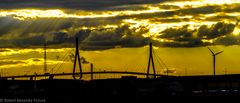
(65, 74)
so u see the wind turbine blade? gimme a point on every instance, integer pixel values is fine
(218, 52)
(210, 50)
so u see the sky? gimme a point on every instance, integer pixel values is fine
(119, 26)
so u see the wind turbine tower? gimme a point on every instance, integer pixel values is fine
(214, 59)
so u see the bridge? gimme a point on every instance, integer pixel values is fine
(51, 76)
(78, 61)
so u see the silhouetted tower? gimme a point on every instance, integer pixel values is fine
(214, 59)
(150, 61)
(77, 58)
(45, 58)
(91, 69)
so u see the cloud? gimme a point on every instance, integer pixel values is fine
(72, 4)
(29, 42)
(198, 13)
(58, 38)
(93, 32)
(222, 17)
(170, 20)
(185, 37)
(10, 26)
(231, 8)
(10, 62)
(177, 12)
(174, 33)
(203, 32)
(227, 40)
(25, 28)
(7, 24)
(216, 30)
(121, 36)
(182, 42)
(199, 10)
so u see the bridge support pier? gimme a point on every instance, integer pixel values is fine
(150, 61)
(31, 78)
(51, 77)
(91, 71)
(77, 58)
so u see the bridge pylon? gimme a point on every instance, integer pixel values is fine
(150, 61)
(77, 58)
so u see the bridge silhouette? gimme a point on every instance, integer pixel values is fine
(69, 74)
(77, 61)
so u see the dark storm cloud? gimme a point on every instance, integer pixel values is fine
(43, 25)
(170, 20)
(109, 38)
(34, 32)
(58, 38)
(72, 4)
(121, 36)
(149, 15)
(195, 12)
(227, 40)
(30, 41)
(62, 31)
(179, 12)
(216, 30)
(199, 10)
(48, 26)
(174, 33)
(221, 17)
(24, 28)
(7, 24)
(231, 8)
(89, 39)
(166, 6)
(184, 42)
(125, 7)
(184, 37)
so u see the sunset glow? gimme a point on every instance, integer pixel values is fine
(180, 31)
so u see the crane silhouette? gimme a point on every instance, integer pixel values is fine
(214, 59)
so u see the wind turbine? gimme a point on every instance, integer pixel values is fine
(214, 59)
